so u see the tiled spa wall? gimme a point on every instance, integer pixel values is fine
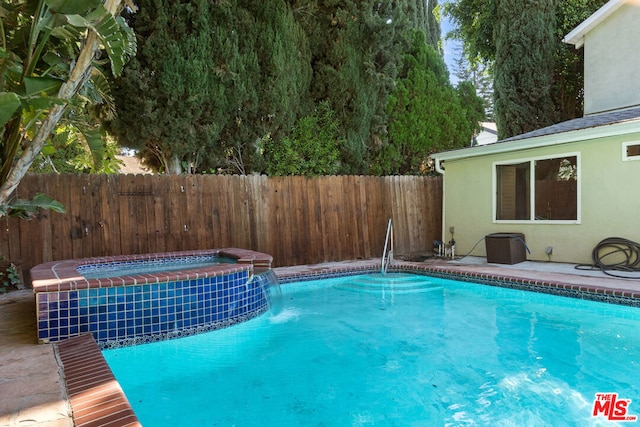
(134, 314)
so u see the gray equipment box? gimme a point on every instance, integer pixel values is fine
(505, 248)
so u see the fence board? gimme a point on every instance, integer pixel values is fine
(30, 235)
(63, 235)
(129, 202)
(373, 213)
(92, 239)
(298, 220)
(77, 217)
(264, 214)
(174, 224)
(45, 227)
(330, 219)
(306, 234)
(216, 215)
(192, 213)
(97, 238)
(352, 200)
(280, 195)
(242, 237)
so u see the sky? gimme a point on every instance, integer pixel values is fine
(450, 47)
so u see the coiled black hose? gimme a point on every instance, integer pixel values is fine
(615, 254)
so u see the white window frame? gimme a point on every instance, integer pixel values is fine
(532, 193)
(625, 157)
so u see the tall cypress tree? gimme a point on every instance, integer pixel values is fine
(281, 84)
(481, 22)
(285, 64)
(524, 37)
(356, 47)
(433, 25)
(214, 82)
(416, 14)
(568, 87)
(172, 101)
(210, 80)
(426, 113)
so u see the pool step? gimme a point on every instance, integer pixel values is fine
(391, 282)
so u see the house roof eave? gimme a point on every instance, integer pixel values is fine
(576, 36)
(586, 134)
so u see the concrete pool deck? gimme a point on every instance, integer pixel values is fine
(32, 391)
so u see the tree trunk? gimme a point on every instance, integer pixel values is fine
(77, 78)
(174, 166)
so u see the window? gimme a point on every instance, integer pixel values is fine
(544, 189)
(631, 150)
(513, 191)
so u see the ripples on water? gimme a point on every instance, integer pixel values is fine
(463, 355)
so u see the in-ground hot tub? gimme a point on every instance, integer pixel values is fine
(126, 300)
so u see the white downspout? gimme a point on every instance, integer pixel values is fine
(440, 170)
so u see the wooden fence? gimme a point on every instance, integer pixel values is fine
(298, 220)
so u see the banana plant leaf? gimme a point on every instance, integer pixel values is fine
(72, 6)
(9, 103)
(114, 34)
(42, 85)
(27, 209)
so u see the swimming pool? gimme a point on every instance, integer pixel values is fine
(446, 353)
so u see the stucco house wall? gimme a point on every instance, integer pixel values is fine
(608, 201)
(608, 194)
(616, 37)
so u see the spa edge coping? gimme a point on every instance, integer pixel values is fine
(56, 276)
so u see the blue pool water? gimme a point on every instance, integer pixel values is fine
(422, 352)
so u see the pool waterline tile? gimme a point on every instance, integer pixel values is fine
(603, 290)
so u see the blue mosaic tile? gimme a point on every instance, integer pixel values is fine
(134, 313)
